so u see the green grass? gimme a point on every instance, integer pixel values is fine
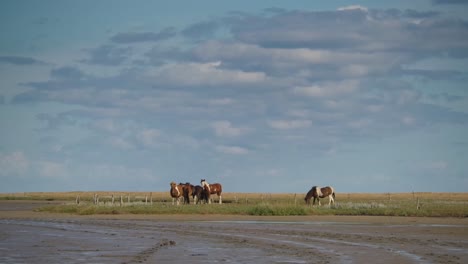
(395, 204)
(268, 209)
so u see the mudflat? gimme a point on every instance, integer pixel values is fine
(36, 237)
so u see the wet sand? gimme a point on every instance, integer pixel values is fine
(34, 237)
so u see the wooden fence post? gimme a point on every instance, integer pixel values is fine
(121, 200)
(77, 199)
(112, 199)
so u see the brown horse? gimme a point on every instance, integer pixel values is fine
(187, 191)
(177, 191)
(214, 188)
(317, 193)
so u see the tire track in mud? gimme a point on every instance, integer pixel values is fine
(146, 254)
(339, 249)
(270, 247)
(154, 240)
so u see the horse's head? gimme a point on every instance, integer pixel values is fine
(202, 182)
(173, 184)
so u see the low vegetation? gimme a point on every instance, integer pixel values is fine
(387, 204)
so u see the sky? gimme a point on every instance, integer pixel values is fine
(260, 96)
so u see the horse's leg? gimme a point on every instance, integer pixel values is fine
(173, 200)
(318, 199)
(331, 200)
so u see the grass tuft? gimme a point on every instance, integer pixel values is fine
(388, 204)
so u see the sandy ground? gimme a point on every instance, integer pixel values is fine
(34, 237)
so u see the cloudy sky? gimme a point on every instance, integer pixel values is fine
(261, 96)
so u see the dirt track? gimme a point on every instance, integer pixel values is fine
(31, 237)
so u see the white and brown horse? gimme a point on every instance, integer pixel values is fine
(213, 188)
(177, 192)
(317, 193)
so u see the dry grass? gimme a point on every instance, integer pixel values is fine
(391, 204)
(239, 197)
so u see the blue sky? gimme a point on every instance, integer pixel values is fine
(261, 96)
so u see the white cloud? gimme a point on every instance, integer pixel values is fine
(13, 164)
(360, 123)
(289, 124)
(328, 89)
(211, 73)
(407, 120)
(52, 169)
(120, 143)
(107, 125)
(353, 7)
(225, 129)
(17, 164)
(232, 150)
(436, 165)
(350, 63)
(221, 102)
(148, 137)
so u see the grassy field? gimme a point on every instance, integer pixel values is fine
(389, 204)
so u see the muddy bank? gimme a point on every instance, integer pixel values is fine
(27, 237)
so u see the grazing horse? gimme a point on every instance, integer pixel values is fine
(198, 194)
(318, 193)
(214, 188)
(177, 191)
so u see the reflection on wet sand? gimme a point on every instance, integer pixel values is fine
(48, 238)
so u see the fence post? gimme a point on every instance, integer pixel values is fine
(77, 199)
(295, 199)
(121, 200)
(146, 199)
(112, 199)
(151, 198)
(418, 206)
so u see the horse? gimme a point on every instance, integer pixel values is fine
(198, 194)
(187, 191)
(214, 188)
(177, 191)
(318, 193)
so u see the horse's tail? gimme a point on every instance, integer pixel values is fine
(333, 194)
